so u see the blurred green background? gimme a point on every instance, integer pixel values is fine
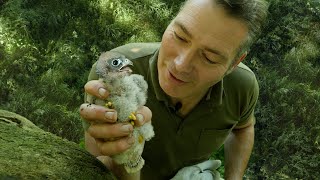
(47, 49)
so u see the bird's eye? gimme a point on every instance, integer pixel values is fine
(116, 62)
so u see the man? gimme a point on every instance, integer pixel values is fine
(200, 96)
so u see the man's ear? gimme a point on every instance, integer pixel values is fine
(241, 58)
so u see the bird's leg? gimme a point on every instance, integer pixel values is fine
(134, 166)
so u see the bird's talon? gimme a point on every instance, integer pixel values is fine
(109, 105)
(131, 122)
(132, 116)
(141, 139)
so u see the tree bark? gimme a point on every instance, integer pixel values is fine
(27, 152)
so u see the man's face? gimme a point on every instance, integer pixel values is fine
(197, 49)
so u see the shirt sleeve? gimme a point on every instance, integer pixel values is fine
(252, 98)
(92, 76)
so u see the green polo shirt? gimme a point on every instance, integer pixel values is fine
(178, 141)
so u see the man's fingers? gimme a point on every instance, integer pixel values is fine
(95, 113)
(143, 115)
(110, 131)
(110, 148)
(97, 89)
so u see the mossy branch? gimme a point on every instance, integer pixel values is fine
(27, 152)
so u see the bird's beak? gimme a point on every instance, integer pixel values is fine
(125, 65)
(128, 62)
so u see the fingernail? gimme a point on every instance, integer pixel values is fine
(140, 118)
(102, 92)
(126, 128)
(109, 115)
(130, 140)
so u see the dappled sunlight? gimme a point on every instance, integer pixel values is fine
(132, 15)
(48, 51)
(9, 37)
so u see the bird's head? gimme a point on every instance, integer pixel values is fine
(110, 63)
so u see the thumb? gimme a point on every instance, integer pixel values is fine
(144, 115)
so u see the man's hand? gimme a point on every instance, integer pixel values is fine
(106, 137)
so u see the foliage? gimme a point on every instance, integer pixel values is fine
(46, 52)
(287, 63)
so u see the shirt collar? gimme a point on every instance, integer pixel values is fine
(215, 93)
(160, 94)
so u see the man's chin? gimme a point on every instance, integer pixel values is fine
(171, 90)
(174, 93)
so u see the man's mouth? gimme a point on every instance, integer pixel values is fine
(174, 78)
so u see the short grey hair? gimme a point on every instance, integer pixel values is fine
(252, 12)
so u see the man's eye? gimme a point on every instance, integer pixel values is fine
(208, 60)
(179, 37)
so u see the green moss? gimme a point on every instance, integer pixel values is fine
(27, 152)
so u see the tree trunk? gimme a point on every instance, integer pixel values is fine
(27, 152)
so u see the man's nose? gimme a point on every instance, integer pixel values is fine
(184, 62)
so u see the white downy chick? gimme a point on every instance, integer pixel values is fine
(128, 92)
